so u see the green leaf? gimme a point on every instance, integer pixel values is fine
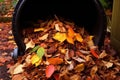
(40, 52)
(34, 49)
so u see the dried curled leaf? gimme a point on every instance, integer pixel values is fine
(60, 36)
(55, 61)
(49, 70)
(18, 69)
(30, 44)
(103, 54)
(38, 29)
(44, 37)
(108, 64)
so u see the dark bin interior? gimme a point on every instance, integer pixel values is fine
(87, 13)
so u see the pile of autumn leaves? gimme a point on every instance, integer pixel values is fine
(60, 50)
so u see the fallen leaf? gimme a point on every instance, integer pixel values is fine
(60, 36)
(18, 77)
(79, 67)
(44, 37)
(70, 40)
(49, 70)
(28, 59)
(38, 29)
(56, 76)
(71, 32)
(108, 64)
(57, 28)
(103, 54)
(94, 53)
(84, 52)
(93, 71)
(30, 44)
(55, 61)
(75, 77)
(34, 49)
(40, 52)
(79, 59)
(78, 37)
(35, 58)
(3, 60)
(71, 66)
(18, 69)
(38, 63)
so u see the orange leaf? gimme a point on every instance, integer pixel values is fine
(78, 37)
(49, 71)
(94, 53)
(55, 61)
(71, 33)
(70, 40)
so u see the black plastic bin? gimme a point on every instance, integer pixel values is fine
(88, 13)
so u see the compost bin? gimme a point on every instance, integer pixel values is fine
(87, 13)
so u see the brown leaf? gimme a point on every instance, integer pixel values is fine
(79, 67)
(18, 77)
(93, 71)
(75, 77)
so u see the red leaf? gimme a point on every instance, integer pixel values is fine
(56, 76)
(50, 70)
(94, 53)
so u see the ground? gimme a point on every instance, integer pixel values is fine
(6, 47)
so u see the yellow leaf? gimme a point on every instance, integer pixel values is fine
(34, 59)
(38, 29)
(38, 63)
(71, 33)
(70, 40)
(79, 67)
(60, 36)
(78, 37)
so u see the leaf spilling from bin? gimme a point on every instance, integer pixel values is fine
(61, 50)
